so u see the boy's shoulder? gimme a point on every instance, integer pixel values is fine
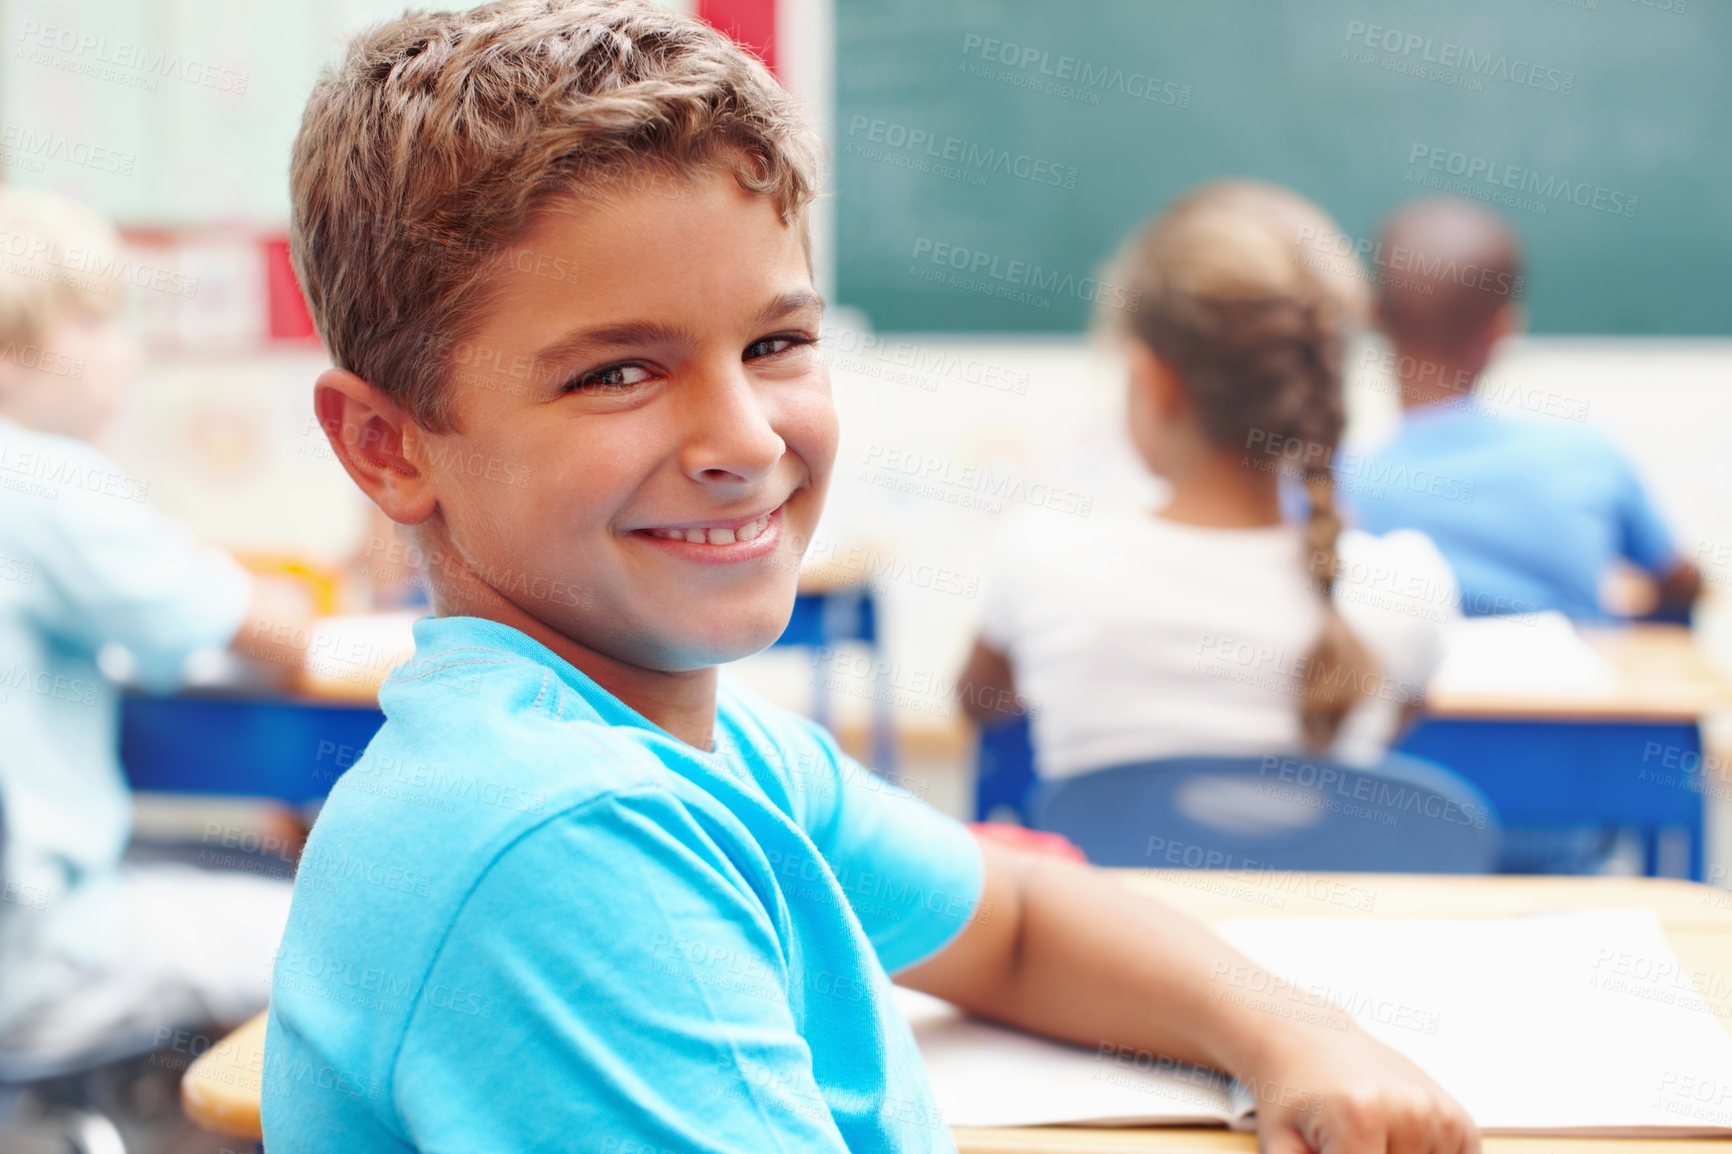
(484, 732)
(489, 748)
(488, 734)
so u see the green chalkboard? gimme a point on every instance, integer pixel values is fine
(992, 154)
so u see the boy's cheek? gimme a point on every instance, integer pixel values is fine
(813, 433)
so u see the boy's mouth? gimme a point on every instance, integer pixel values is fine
(723, 541)
(716, 534)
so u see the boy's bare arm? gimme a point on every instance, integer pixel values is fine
(1068, 951)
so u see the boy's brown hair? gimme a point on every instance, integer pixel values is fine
(423, 157)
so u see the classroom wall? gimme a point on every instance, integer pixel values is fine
(196, 101)
(193, 104)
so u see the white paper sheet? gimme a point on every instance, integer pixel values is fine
(987, 1075)
(1579, 1022)
(1537, 653)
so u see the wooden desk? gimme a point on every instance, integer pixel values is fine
(1629, 757)
(1665, 677)
(1697, 920)
(221, 1090)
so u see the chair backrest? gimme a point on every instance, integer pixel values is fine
(1288, 812)
(1004, 771)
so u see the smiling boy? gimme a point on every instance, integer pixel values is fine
(581, 893)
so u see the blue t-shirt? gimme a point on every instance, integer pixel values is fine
(1530, 514)
(530, 919)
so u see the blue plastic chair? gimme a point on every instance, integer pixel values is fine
(1004, 772)
(1290, 812)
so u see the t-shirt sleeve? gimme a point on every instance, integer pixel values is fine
(1643, 537)
(652, 1009)
(117, 571)
(911, 874)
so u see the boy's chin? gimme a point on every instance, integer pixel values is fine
(719, 634)
(739, 642)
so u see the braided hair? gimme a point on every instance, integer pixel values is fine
(1223, 289)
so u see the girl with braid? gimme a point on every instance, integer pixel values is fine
(1210, 626)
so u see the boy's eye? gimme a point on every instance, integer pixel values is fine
(610, 377)
(770, 346)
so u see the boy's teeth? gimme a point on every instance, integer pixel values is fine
(746, 532)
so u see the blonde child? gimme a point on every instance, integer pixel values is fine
(88, 568)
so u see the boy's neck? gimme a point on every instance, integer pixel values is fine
(683, 704)
(1429, 377)
(1222, 490)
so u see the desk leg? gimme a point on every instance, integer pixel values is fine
(820, 690)
(883, 723)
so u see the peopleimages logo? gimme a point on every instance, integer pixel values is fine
(1070, 76)
(28, 147)
(105, 59)
(1024, 274)
(1401, 259)
(965, 153)
(1495, 177)
(1446, 54)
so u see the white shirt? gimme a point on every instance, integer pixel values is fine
(1135, 638)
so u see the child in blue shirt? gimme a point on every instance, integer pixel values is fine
(1532, 513)
(88, 571)
(580, 892)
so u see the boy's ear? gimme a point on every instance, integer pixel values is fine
(1510, 321)
(378, 444)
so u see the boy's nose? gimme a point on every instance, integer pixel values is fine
(730, 435)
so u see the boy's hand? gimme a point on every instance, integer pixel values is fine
(1338, 1091)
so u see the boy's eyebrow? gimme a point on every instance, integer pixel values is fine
(629, 333)
(788, 302)
(652, 333)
